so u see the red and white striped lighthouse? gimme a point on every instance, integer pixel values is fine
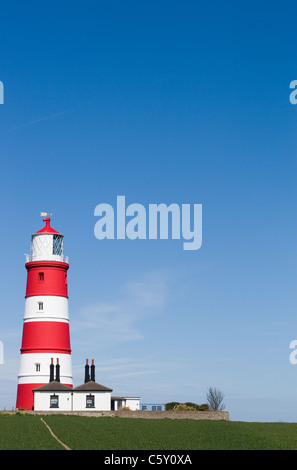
(46, 336)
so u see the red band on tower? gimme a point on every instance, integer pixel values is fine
(46, 336)
(47, 278)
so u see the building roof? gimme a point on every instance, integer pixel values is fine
(92, 386)
(53, 386)
(47, 228)
(125, 398)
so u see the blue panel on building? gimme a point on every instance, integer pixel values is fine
(152, 406)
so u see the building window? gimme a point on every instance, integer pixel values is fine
(40, 305)
(41, 276)
(90, 401)
(54, 401)
(37, 367)
(144, 407)
(57, 245)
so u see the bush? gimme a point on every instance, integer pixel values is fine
(203, 407)
(192, 405)
(184, 407)
(188, 406)
(171, 405)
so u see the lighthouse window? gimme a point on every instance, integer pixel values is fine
(37, 367)
(41, 276)
(40, 305)
(57, 245)
(54, 401)
(90, 401)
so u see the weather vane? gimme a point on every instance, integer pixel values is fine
(44, 214)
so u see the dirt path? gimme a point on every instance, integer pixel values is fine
(60, 442)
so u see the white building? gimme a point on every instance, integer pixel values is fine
(90, 396)
(125, 402)
(53, 396)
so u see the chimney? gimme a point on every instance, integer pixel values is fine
(87, 373)
(58, 371)
(51, 370)
(93, 371)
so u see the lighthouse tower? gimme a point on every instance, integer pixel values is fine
(46, 338)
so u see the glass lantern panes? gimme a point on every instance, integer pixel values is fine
(57, 245)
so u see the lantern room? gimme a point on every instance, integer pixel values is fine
(47, 244)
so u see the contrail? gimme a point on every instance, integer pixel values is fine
(30, 123)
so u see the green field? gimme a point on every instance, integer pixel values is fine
(28, 432)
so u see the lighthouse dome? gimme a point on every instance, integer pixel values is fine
(47, 244)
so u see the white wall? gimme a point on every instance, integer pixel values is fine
(42, 248)
(133, 403)
(129, 402)
(76, 401)
(69, 401)
(102, 400)
(42, 401)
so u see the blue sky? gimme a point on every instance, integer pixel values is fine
(163, 102)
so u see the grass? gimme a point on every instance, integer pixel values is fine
(28, 432)
(25, 432)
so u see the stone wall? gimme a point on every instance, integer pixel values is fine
(213, 415)
(209, 415)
